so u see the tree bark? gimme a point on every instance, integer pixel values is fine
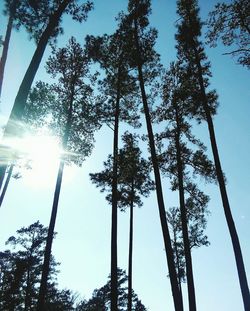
(184, 221)
(49, 240)
(5, 51)
(9, 174)
(130, 256)
(114, 278)
(227, 210)
(166, 236)
(12, 127)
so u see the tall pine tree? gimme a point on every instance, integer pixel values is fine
(191, 50)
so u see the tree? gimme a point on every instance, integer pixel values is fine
(229, 23)
(133, 181)
(178, 160)
(101, 298)
(30, 14)
(21, 268)
(12, 9)
(145, 60)
(191, 51)
(71, 111)
(119, 97)
(51, 28)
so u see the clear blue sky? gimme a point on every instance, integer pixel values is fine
(83, 224)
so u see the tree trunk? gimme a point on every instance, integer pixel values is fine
(178, 270)
(184, 222)
(5, 51)
(6, 183)
(166, 236)
(130, 255)
(12, 127)
(27, 291)
(114, 280)
(49, 240)
(227, 210)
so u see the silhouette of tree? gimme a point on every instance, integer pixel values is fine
(191, 51)
(179, 161)
(21, 268)
(71, 114)
(49, 30)
(229, 22)
(133, 181)
(5, 42)
(118, 91)
(101, 298)
(145, 61)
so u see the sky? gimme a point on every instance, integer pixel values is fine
(82, 244)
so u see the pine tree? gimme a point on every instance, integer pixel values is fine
(101, 298)
(145, 61)
(133, 181)
(190, 50)
(72, 115)
(21, 268)
(179, 161)
(229, 22)
(118, 90)
(12, 10)
(50, 30)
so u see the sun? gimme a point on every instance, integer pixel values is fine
(40, 160)
(37, 157)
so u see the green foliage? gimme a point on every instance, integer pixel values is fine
(133, 174)
(67, 106)
(34, 15)
(229, 22)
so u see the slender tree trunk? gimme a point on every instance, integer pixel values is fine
(27, 291)
(12, 127)
(49, 240)
(47, 255)
(114, 278)
(9, 174)
(184, 222)
(166, 236)
(178, 271)
(227, 210)
(5, 51)
(130, 255)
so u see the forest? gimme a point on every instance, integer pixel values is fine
(124, 171)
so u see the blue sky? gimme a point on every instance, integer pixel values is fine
(83, 224)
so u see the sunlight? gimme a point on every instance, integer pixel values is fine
(43, 153)
(38, 159)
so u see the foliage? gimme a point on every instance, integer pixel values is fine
(68, 106)
(35, 15)
(176, 110)
(133, 174)
(111, 53)
(20, 272)
(229, 22)
(190, 50)
(100, 300)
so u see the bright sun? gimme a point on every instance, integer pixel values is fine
(44, 155)
(42, 152)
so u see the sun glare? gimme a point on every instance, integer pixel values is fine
(38, 159)
(43, 155)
